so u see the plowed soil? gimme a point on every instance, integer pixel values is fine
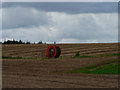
(48, 73)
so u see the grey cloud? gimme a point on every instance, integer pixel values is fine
(36, 22)
(63, 27)
(22, 17)
(68, 7)
(87, 27)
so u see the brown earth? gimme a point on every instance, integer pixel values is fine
(38, 50)
(48, 73)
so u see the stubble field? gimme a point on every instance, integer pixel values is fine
(33, 70)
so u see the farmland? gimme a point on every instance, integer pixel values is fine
(37, 51)
(30, 68)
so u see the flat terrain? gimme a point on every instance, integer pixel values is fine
(50, 73)
(38, 50)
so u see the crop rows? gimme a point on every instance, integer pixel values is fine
(37, 50)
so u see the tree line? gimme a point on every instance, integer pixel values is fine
(19, 42)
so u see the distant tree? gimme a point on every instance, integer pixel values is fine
(54, 42)
(13, 42)
(40, 42)
(8, 42)
(20, 42)
(28, 42)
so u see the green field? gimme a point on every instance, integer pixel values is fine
(108, 68)
(77, 55)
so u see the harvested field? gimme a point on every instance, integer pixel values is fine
(68, 50)
(49, 73)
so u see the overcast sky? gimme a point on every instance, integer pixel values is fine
(66, 22)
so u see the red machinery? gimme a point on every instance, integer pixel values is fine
(53, 51)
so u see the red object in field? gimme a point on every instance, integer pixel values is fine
(53, 51)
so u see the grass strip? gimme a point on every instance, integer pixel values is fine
(108, 68)
(105, 55)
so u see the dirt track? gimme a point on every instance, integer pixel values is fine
(48, 74)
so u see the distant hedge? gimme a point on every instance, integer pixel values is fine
(19, 42)
(15, 42)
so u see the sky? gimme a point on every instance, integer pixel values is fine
(61, 22)
(60, 0)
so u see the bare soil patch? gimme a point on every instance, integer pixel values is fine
(47, 73)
